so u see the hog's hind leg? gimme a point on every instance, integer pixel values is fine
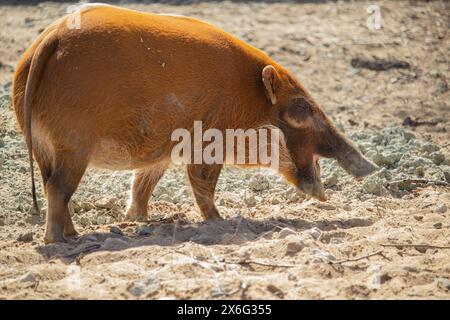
(65, 176)
(144, 182)
(203, 179)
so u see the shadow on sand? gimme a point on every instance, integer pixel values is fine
(234, 231)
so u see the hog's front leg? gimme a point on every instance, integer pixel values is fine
(203, 179)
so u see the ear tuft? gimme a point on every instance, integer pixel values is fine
(269, 78)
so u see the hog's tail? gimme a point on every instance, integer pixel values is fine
(40, 57)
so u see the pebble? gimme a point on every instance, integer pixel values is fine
(292, 195)
(259, 183)
(143, 230)
(116, 230)
(275, 201)
(336, 240)
(106, 203)
(441, 208)
(295, 246)
(165, 197)
(250, 201)
(145, 286)
(325, 206)
(25, 237)
(28, 277)
(315, 232)
(331, 180)
(438, 225)
(324, 256)
(443, 283)
(286, 232)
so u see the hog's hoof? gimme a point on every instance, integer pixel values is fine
(212, 215)
(135, 214)
(53, 238)
(139, 218)
(69, 230)
(71, 234)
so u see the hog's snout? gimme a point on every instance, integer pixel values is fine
(356, 164)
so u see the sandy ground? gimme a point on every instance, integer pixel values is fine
(274, 243)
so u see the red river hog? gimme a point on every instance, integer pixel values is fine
(110, 92)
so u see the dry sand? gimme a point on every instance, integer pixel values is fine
(273, 243)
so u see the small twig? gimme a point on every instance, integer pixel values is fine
(418, 181)
(379, 252)
(262, 263)
(428, 246)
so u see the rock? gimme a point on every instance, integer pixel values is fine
(165, 197)
(25, 237)
(336, 240)
(408, 135)
(276, 291)
(275, 201)
(331, 180)
(250, 201)
(390, 158)
(106, 203)
(295, 246)
(143, 230)
(324, 256)
(86, 206)
(315, 232)
(286, 232)
(292, 195)
(84, 221)
(259, 183)
(116, 230)
(438, 225)
(437, 157)
(375, 157)
(441, 208)
(146, 286)
(325, 206)
(443, 283)
(28, 277)
(429, 147)
(374, 185)
(100, 220)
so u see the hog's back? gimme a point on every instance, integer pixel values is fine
(120, 84)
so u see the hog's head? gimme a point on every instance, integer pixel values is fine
(309, 134)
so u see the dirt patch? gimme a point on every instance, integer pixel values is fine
(386, 236)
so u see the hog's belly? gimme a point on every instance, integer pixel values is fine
(114, 155)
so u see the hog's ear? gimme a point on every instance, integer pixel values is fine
(269, 78)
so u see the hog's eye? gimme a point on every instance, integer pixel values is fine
(302, 105)
(300, 110)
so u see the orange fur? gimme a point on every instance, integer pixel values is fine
(111, 93)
